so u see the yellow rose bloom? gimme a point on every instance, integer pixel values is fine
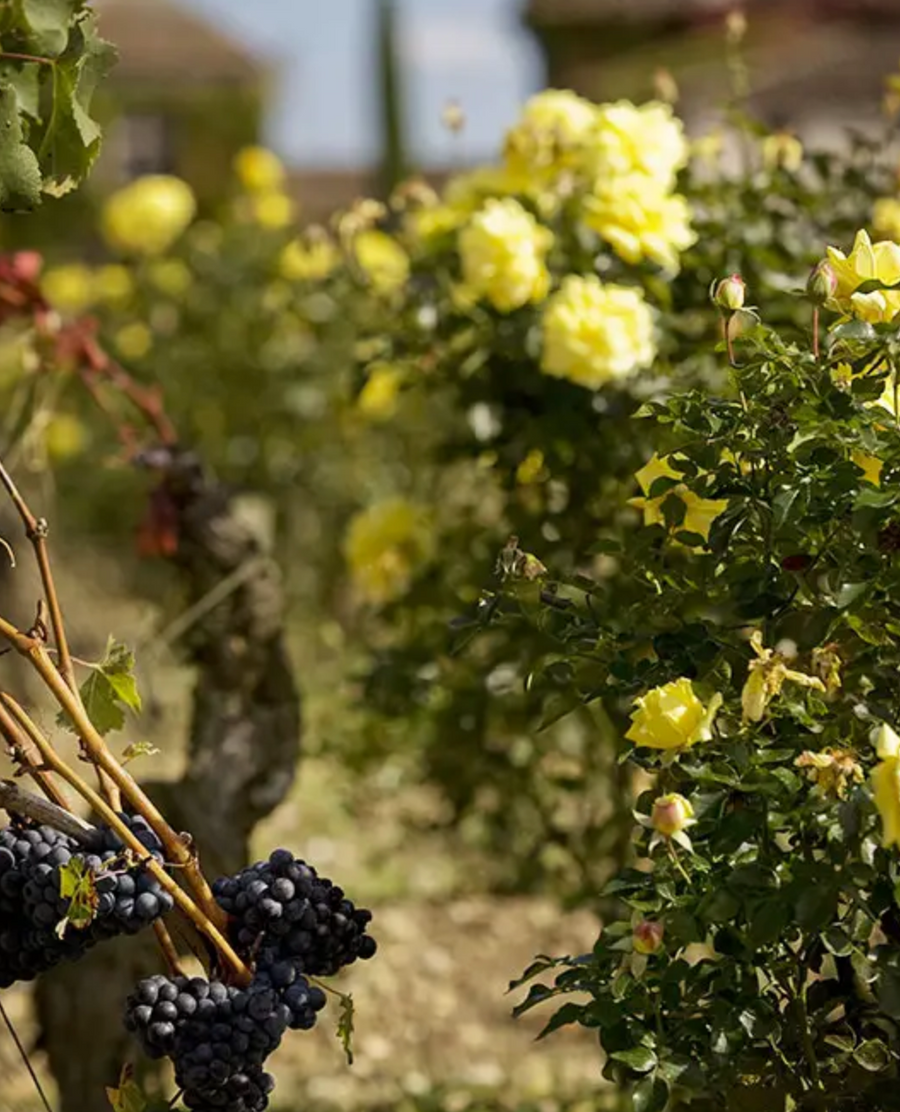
(885, 779)
(378, 398)
(886, 217)
(866, 261)
(259, 170)
(699, 513)
(502, 251)
(594, 334)
(310, 261)
(782, 151)
(69, 287)
(647, 139)
(113, 283)
(550, 133)
(133, 341)
(170, 276)
(271, 210)
(382, 259)
(384, 546)
(672, 717)
(147, 216)
(639, 220)
(467, 192)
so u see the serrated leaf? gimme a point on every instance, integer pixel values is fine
(25, 80)
(76, 884)
(109, 689)
(344, 1030)
(20, 176)
(127, 1097)
(48, 22)
(71, 139)
(138, 749)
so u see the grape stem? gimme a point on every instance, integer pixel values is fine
(110, 817)
(17, 801)
(19, 746)
(168, 948)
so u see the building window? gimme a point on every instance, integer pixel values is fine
(146, 145)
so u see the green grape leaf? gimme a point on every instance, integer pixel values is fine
(76, 884)
(25, 79)
(71, 138)
(127, 1097)
(345, 1025)
(109, 690)
(48, 23)
(20, 176)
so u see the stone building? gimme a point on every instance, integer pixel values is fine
(815, 66)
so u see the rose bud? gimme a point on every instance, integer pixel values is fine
(647, 937)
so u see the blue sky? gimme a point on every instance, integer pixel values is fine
(324, 113)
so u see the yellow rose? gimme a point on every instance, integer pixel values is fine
(886, 217)
(170, 276)
(308, 261)
(640, 220)
(885, 779)
(271, 210)
(467, 192)
(699, 513)
(426, 224)
(782, 151)
(112, 283)
(378, 398)
(382, 259)
(671, 814)
(384, 546)
(133, 341)
(502, 251)
(69, 287)
(594, 334)
(866, 261)
(766, 676)
(647, 139)
(672, 717)
(550, 133)
(259, 170)
(147, 216)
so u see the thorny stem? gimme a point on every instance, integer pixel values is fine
(178, 851)
(36, 531)
(815, 331)
(678, 865)
(109, 816)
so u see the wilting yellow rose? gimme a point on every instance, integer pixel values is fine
(550, 133)
(671, 814)
(595, 333)
(672, 717)
(133, 341)
(502, 251)
(69, 287)
(831, 770)
(886, 217)
(382, 259)
(699, 513)
(885, 778)
(113, 283)
(378, 398)
(259, 170)
(647, 139)
(308, 261)
(385, 545)
(766, 676)
(866, 261)
(147, 216)
(640, 220)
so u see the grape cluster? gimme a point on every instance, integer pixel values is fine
(31, 906)
(282, 911)
(218, 1036)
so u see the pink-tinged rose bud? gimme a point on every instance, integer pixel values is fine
(647, 937)
(671, 814)
(729, 293)
(822, 284)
